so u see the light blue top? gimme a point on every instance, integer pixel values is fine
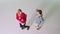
(39, 20)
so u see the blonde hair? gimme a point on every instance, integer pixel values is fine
(19, 10)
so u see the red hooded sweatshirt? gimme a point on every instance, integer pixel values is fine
(21, 18)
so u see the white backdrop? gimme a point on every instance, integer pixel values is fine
(50, 8)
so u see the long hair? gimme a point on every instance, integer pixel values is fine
(19, 10)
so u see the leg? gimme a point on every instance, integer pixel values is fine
(24, 26)
(38, 27)
(27, 27)
(21, 26)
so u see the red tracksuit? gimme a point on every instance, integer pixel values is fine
(22, 16)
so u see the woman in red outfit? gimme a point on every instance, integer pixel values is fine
(21, 17)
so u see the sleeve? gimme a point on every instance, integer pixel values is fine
(42, 19)
(25, 17)
(42, 22)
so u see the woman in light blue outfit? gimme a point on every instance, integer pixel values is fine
(39, 19)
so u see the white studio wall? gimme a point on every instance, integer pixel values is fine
(50, 8)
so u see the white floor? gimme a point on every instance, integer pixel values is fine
(51, 13)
